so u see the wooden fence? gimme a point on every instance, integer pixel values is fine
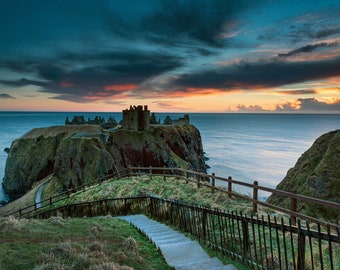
(259, 242)
(262, 242)
(203, 179)
(209, 180)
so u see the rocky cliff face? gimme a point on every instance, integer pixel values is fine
(316, 174)
(81, 154)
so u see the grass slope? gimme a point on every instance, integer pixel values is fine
(69, 243)
(79, 243)
(171, 188)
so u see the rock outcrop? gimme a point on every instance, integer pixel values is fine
(80, 154)
(316, 174)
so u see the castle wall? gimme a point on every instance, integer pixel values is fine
(136, 118)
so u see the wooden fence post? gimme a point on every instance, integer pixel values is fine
(245, 236)
(255, 196)
(213, 183)
(187, 176)
(204, 224)
(229, 186)
(198, 178)
(330, 245)
(293, 207)
(164, 177)
(150, 172)
(178, 175)
(301, 248)
(50, 201)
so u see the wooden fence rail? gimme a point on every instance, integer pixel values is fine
(260, 242)
(203, 179)
(210, 181)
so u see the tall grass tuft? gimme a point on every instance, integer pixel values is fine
(59, 221)
(68, 255)
(10, 223)
(130, 246)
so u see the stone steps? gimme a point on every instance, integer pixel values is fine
(178, 250)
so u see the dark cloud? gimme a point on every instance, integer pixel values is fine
(6, 96)
(178, 22)
(300, 33)
(320, 24)
(22, 82)
(251, 108)
(309, 48)
(258, 75)
(286, 107)
(306, 105)
(202, 21)
(309, 105)
(204, 52)
(312, 104)
(298, 92)
(156, 48)
(315, 31)
(77, 77)
(326, 32)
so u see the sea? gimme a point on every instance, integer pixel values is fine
(248, 147)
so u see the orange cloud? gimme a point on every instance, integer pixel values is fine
(201, 91)
(289, 106)
(297, 92)
(121, 87)
(198, 92)
(328, 90)
(66, 84)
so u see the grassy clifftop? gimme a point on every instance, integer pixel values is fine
(172, 188)
(77, 155)
(315, 174)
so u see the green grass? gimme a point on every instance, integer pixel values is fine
(78, 243)
(171, 188)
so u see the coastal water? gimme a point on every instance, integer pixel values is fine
(248, 147)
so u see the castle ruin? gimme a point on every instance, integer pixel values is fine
(136, 118)
(177, 122)
(98, 120)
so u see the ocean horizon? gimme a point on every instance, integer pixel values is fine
(247, 146)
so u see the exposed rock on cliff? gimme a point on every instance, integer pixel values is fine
(316, 174)
(84, 153)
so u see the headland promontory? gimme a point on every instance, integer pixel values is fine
(78, 153)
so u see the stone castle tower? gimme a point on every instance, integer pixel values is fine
(136, 118)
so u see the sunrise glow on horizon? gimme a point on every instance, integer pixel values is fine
(174, 56)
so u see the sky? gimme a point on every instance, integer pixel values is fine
(173, 55)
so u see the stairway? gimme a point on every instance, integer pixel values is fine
(178, 250)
